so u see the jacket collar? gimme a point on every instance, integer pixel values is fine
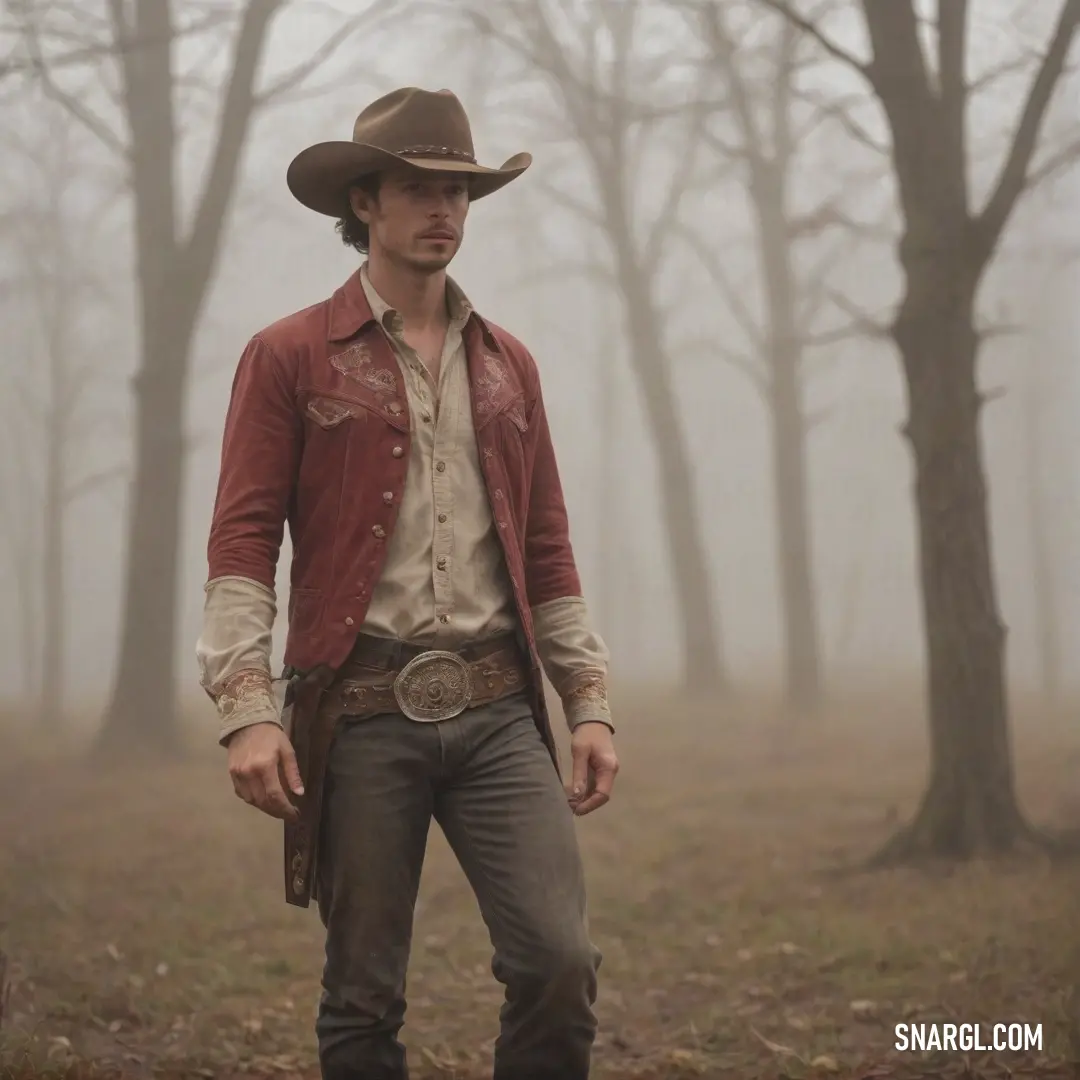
(350, 312)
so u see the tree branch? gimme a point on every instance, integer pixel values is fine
(713, 349)
(836, 109)
(713, 266)
(78, 489)
(838, 52)
(236, 111)
(296, 75)
(863, 321)
(81, 112)
(1011, 180)
(567, 201)
(559, 271)
(1057, 162)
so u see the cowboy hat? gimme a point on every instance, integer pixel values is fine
(421, 128)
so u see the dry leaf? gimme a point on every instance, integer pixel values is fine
(774, 1047)
(864, 1008)
(825, 1062)
(745, 954)
(113, 951)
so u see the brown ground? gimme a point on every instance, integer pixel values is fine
(144, 920)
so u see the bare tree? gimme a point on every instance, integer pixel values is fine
(947, 244)
(591, 58)
(772, 122)
(56, 286)
(1046, 444)
(175, 263)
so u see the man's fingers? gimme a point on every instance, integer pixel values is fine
(603, 781)
(275, 802)
(593, 802)
(259, 786)
(243, 789)
(579, 779)
(291, 770)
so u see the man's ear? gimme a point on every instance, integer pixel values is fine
(360, 201)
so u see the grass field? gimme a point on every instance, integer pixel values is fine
(142, 914)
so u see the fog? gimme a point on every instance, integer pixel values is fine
(521, 266)
(745, 254)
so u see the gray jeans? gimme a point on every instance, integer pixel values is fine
(488, 780)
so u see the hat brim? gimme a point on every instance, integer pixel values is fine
(321, 175)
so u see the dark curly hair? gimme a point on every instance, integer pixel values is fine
(354, 233)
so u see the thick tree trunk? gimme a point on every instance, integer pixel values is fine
(970, 805)
(174, 277)
(143, 710)
(703, 664)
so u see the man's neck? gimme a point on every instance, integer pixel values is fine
(420, 299)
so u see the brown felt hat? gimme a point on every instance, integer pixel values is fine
(422, 128)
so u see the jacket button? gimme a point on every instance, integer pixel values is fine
(298, 884)
(440, 466)
(440, 562)
(442, 517)
(388, 497)
(397, 451)
(379, 531)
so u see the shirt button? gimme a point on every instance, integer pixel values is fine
(348, 621)
(442, 518)
(440, 466)
(426, 417)
(378, 530)
(444, 618)
(440, 562)
(397, 451)
(387, 497)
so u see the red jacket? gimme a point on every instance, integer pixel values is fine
(317, 433)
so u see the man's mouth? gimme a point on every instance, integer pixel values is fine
(437, 236)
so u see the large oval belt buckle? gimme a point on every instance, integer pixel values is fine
(435, 685)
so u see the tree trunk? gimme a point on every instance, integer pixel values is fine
(1039, 511)
(703, 665)
(802, 639)
(174, 276)
(970, 804)
(608, 497)
(802, 646)
(143, 713)
(59, 423)
(54, 506)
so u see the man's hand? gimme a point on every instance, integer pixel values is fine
(261, 760)
(592, 748)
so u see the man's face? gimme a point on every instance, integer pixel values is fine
(418, 218)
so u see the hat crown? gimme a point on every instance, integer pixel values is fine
(417, 123)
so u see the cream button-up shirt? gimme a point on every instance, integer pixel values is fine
(444, 582)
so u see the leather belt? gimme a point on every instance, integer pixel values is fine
(431, 685)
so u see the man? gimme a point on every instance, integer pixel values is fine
(405, 441)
